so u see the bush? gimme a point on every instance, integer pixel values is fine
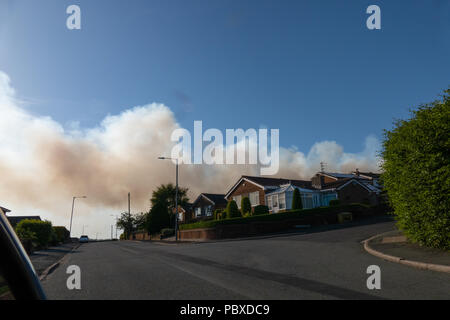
(218, 214)
(416, 173)
(261, 209)
(40, 231)
(62, 234)
(232, 210)
(334, 203)
(246, 206)
(296, 200)
(158, 218)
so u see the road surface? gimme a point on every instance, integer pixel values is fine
(320, 265)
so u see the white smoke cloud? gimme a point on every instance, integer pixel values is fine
(43, 165)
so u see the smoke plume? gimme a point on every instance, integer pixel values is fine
(43, 164)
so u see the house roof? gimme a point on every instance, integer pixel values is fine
(338, 175)
(370, 175)
(271, 183)
(216, 199)
(339, 184)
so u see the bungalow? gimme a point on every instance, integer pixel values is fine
(277, 193)
(205, 204)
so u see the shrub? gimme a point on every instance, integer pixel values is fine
(334, 203)
(416, 173)
(217, 214)
(296, 200)
(260, 209)
(232, 210)
(158, 218)
(41, 231)
(246, 206)
(62, 234)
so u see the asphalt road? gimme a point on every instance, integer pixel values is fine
(320, 265)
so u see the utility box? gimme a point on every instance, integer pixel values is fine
(345, 217)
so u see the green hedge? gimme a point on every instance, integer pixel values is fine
(38, 231)
(260, 209)
(416, 177)
(321, 212)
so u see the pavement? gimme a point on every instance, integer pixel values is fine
(394, 246)
(327, 264)
(43, 259)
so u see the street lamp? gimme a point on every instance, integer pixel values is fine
(176, 195)
(117, 218)
(71, 215)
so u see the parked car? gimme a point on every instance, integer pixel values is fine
(84, 239)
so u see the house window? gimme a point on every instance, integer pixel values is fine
(307, 201)
(198, 211)
(209, 211)
(275, 200)
(269, 202)
(254, 198)
(282, 200)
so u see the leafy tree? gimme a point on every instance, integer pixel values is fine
(296, 200)
(126, 222)
(246, 206)
(416, 173)
(140, 221)
(165, 193)
(232, 210)
(158, 218)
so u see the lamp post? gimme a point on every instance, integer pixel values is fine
(176, 194)
(117, 218)
(71, 215)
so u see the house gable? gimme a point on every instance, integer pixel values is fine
(244, 187)
(354, 191)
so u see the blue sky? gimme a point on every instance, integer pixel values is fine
(310, 68)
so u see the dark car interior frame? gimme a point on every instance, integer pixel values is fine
(15, 265)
